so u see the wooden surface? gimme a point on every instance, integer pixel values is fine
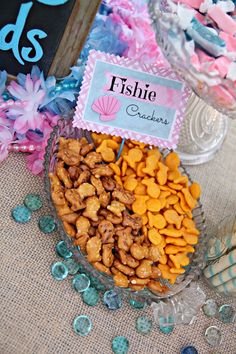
(74, 36)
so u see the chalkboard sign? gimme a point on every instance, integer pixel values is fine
(48, 33)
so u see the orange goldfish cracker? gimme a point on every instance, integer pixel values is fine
(130, 183)
(153, 189)
(154, 152)
(153, 205)
(172, 161)
(118, 180)
(115, 168)
(179, 210)
(154, 236)
(172, 217)
(163, 259)
(188, 223)
(172, 232)
(139, 205)
(165, 188)
(125, 150)
(172, 199)
(124, 168)
(140, 189)
(172, 249)
(111, 143)
(156, 220)
(175, 186)
(183, 203)
(141, 145)
(163, 202)
(144, 219)
(173, 175)
(140, 167)
(129, 172)
(162, 174)
(170, 263)
(177, 241)
(179, 260)
(188, 197)
(189, 249)
(193, 231)
(119, 161)
(118, 139)
(181, 180)
(108, 154)
(134, 155)
(166, 274)
(191, 239)
(163, 242)
(164, 194)
(195, 190)
(144, 230)
(177, 271)
(189, 214)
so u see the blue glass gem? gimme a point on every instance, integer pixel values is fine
(62, 250)
(213, 336)
(112, 300)
(227, 314)
(33, 202)
(72, 265)
(210, 308)
(59, 271)
(82, 325)
(46, 224)
(21, 214)
(80, 282)
(120, 345)
(143, 325)
(189, 350)
(90, 296)
(166, 324)
(137, 304)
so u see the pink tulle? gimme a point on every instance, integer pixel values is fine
(6, 137)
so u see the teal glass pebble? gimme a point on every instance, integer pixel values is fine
(143, 325)
(166, 324)
(213, 336)
(120, 345)
(227, 314)
(59, 271)
(21, 214)
(80, 282)
(95, 283)
(33, 202)
(112, 300)
(90, 296)
(72, 265)
(46, 224)
(82, 325)
(210, 308)
(137, 304)
(62, 250)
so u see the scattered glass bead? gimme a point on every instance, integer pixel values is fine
(46, 224)
(227, 314)
(95, 283)
(90, 297)
(80, 282)
(210, 308)
(213, 336)
(21, 214)
(72, 265)
(189, 350)
(59, 271)
(137, 304)
(33, 202)
(144, 325)
(120, 345)
(166, 324)
(82, 325)
(62, 250)
(112, 300)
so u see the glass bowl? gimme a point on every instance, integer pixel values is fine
(218, 92)
(65, 129)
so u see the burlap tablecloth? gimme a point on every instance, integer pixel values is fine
(36, 312)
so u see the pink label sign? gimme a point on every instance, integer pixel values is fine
(119, 96)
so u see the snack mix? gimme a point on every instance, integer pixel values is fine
(131, 216)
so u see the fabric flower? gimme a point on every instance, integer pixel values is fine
(6, 137)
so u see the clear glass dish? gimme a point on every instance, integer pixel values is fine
(65, 129)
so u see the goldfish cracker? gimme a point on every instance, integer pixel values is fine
(193, 231)
(173, 175)
(153, 189)
(140, 145)
(153, 205)
(172, 161)
(130, 183)
(182, 202)
(139, 205)
(166, 274)
(181, 180)
(129, 172)
(111, 143)
(162, 174)
(115, 168)
(98, 138)
(188, 197)
(175, 186)
(188, 223)
(140, 189)
(118, 139)
(191, 239)
(172, 199)
(144, 219)
(118, 180)
(156, 220)
(177, 241)
(154, 236)
(163, 202)
(180, 260)
(125, 150)
(140, 167)
(134, 155)
(163, 259)
(154, 152)
(179, 210)
(172, 232)
(164, 194)
(195, 190)
(119, 161)
(177, 271)
(166, 188)
(124, 168)
(172, 217)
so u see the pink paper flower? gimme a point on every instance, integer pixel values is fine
(6, 137)
(27, 116)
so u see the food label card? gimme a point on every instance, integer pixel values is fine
(121, 97)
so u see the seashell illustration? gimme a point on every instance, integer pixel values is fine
(107, 106)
